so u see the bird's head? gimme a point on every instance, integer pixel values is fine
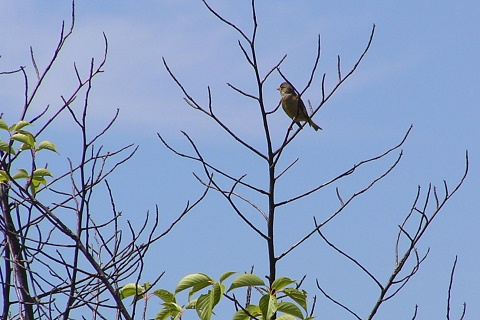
(286, 88)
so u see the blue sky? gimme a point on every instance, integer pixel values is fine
(422, 69)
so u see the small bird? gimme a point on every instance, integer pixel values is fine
(294, 107)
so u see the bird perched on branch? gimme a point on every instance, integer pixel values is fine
(294, 107)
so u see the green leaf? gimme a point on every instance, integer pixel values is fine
(131, 290)
(6, 147)
(217, 294)
(147, 286)
(19, 126)
(37, 184)
(199, 286)
(47, 145)
(207, 302)
(26, 138)
(164, 314)
(194, 280)
(291, 309)
(42, 173)
(171, 310)
(286, 317)
(268, 305)
(25, 147)
(192, 304)
(3, 125)
(246, 280)
(22, 174)
(20, 137)
(281, 283)
(165, 295)
(204, 306)
(251, 309)
(300, 297)
(4, 176)
(226, 275)
(173, 306)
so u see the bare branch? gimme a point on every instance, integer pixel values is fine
(226, 21)
(336, 213)
(229, 199)
(337, 302)
(423, 225)
(277, 66)
(245, 54)
(349, 171)
(210, 166)
(287, 168)
(242, 92)
(348, 256)
(211, 115)
(339, 69)
(63, 39)
(235, 194)
(342, 203)
(450, 285)
(34, 63)
(315, 65)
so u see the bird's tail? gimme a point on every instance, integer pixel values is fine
(313, 125)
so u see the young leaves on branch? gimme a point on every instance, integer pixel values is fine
(17, 133)
(271, 304)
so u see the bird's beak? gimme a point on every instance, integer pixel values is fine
(278, 88)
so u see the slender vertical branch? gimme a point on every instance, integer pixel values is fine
(15, 255)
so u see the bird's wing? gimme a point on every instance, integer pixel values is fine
(302, 110)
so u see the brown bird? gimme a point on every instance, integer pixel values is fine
(294, 107)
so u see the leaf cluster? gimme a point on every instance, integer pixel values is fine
(204, 294)
(18, 133)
